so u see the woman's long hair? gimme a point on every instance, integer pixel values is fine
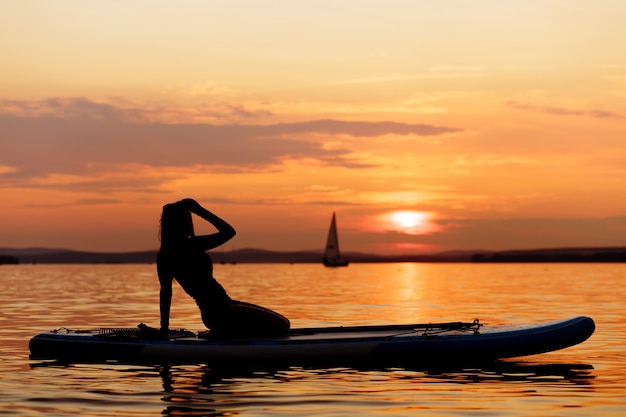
(176, 223)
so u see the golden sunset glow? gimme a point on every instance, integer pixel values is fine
(408, 219)
(425, 126)
(411, 222)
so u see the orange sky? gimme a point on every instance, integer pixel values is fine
(488, 124)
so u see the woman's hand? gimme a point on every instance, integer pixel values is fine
(191, 204)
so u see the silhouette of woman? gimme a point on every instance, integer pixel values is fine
(182, 257)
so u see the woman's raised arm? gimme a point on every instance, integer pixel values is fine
(225, 230)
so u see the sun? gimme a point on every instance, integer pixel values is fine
(410, 222)
(407, 219)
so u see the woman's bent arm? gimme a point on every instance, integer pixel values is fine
(225, 230)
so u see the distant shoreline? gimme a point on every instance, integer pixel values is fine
(61, 256)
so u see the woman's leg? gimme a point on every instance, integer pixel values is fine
(252, 319)
(240, 319)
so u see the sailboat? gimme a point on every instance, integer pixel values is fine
(332, 257)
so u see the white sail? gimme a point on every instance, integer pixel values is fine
(332, 256)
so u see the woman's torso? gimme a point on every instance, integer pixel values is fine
(192, 268)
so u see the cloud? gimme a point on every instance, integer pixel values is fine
(360, 129)
(482, 160)
(67, 108)
(79, 202)
(77, 137)
(210, 89)
(561, 111)
(102, 180)
(83, 108)
(324, 188)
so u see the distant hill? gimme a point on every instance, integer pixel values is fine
(5, 259)
(65, 256)
(555, 255)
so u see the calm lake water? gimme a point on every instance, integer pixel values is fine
(584, 380)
